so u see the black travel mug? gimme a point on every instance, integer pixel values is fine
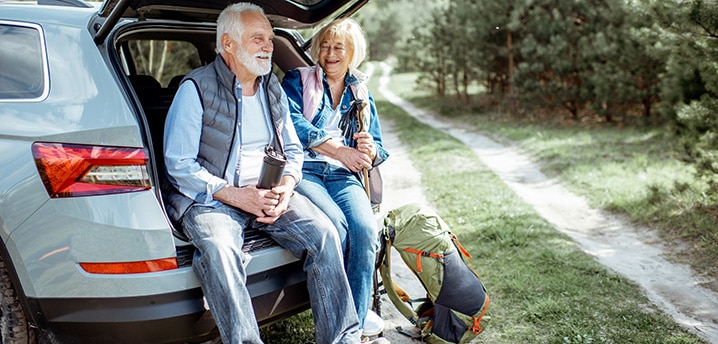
(272, 170)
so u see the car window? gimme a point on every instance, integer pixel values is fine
(23, 67)
(161, 59)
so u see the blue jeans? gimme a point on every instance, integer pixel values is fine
(340, 194)
(217, 233)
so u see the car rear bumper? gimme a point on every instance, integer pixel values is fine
(178, 317)
(168, 318)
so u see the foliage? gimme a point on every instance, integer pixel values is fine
(580, 56)
(387, 23)
(691, 83)
(453, 43)
(432, 61)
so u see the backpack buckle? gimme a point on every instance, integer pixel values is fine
(476, 328)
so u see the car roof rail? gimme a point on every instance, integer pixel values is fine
(72, 3)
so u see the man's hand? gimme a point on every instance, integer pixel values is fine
(283, 192)
(266, 204)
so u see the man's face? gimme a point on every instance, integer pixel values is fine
(256, 46)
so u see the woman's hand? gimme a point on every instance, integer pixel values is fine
(365, 144)
(354, 159)
(361, 157)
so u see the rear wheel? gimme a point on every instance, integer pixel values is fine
(14, 328)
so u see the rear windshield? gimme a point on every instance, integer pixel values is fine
(165, 60)
(22, 62)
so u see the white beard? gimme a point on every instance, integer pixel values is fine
(253, 64)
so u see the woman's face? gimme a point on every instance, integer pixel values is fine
(334, 57)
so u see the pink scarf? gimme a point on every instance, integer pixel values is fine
(313, 89)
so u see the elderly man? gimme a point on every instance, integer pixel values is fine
(221, 121)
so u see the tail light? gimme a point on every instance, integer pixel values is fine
(131, 267)
(71, 170)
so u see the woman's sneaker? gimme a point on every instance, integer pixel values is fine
(373, 324)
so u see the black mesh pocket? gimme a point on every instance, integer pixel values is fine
(447, 325)
(462, 291)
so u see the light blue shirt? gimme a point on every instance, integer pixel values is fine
(183, 129)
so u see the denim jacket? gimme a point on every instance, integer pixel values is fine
(312, 134)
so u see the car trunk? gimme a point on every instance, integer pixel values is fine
(287, 14)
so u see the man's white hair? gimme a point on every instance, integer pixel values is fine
(230, 22)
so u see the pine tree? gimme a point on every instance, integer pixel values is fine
(691, 83)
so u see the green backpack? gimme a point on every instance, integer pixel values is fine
(456, 299)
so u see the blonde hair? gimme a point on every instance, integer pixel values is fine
(230, 21)
(346, 30)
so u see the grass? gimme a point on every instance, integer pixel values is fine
(543, 288)
(634, 171)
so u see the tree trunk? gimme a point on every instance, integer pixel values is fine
(609, 112)
(573, 109)
(509, 46)
(466, 85)
(151, 66)
(163, 60)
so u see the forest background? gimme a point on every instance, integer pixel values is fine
(629, 83)
(629, 62)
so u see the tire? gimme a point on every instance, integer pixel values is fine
(14, 328)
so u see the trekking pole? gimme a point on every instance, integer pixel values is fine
(363, 126)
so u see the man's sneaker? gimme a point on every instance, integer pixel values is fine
(380, 340)
(373, 324)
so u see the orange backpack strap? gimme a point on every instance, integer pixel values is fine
(476, 327)
(420, 254)
(458, 244)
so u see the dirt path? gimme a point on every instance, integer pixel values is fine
(636, 253)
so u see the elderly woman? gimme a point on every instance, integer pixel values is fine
(319, 96)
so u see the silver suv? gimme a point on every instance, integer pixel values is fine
(88, 254)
